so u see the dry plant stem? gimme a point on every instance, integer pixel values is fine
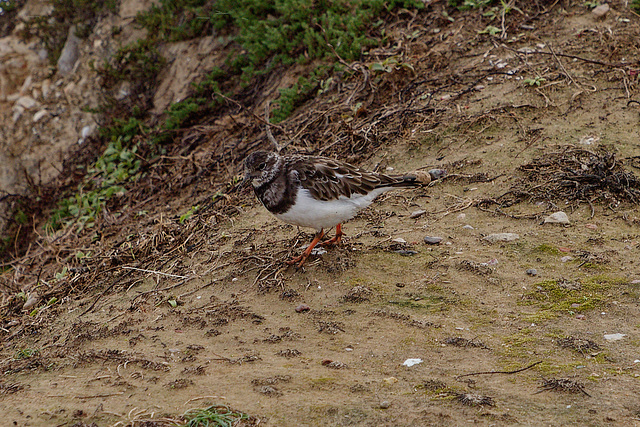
(500, 372)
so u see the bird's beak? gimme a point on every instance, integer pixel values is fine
(245, 181)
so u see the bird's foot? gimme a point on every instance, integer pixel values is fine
(332, 242)
(300, 259)
(337, 238)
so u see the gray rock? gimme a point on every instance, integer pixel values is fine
(601, 10)
(501, 237)
(27, 102)
(385, 404)
(70, 53)
(532, 272)
(429, 240)
(437, 173)
(417, 214)
(39, 115)
(557, 218)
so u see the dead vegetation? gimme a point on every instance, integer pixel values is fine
(155, 265)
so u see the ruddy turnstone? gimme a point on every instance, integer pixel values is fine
(319, 192)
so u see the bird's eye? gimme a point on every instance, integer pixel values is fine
(261, 166)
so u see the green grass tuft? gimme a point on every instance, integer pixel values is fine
(214, 416)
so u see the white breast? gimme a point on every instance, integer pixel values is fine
(309, 212)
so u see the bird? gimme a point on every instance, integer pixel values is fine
(319, 192)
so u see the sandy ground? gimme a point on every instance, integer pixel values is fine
(217, 324)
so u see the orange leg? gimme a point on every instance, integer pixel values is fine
(337, 239)
(302, 258)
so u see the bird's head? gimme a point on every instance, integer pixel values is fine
(260, 167)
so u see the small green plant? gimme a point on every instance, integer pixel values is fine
(118, 165)
(138, 62)
(635, 5)
(214, 416)
(590, 4)
(26, 353)
(469, 4)
(391, 64)
(491, 30)
(536, 81)
(185, 216)
(7, 6)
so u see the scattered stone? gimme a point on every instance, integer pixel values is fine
(417, 214)
(410, 362)
(580, 316)
(614, 337)
(557, 218)
(391, 380)
(399, 240)
(385, 404)
(405, 252)
(591, 226)
(600, 11)
(39, 115)
(501, 237)
(468, 227)
(70, 53)
(566, 258)
(432, 240)
(635, 282)
(26, 102)
(437, 173)
(32, 301)
(532, 272)
(302, 308)
(462, 216)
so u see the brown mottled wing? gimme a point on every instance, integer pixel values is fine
(329, 179)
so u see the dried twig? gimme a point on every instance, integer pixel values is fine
(500, 372)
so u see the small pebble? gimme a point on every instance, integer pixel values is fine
(501, 237)
(302, 308)
(532, 272)
(468, 227)
(601, 10)
(566, 258)
(411, 362)
(591, 226)
(399, 240)
(32, 301)
(462, 216)
(580, 316)
(614, 337)
(557, 218)
(391, 380)
(417, 214)
(385, 404)
(432, 240)
(437, 173)
(405, 252)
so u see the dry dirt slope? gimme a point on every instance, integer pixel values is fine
(216, 323)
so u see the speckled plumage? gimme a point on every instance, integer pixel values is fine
(316, 192)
